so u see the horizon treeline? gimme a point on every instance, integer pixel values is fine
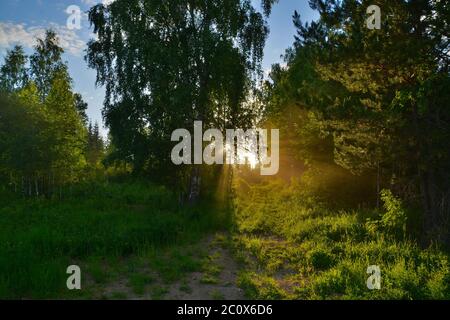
(46, 138)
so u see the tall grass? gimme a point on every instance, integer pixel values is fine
(39, 239)
(295, 250)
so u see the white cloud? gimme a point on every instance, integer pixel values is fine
(12, 34)
(94, 2)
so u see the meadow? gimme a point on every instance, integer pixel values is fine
(293, 247)
(108, 229)
(285, 245)
(359, 117)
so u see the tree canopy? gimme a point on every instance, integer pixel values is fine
(382, 96)
(166, 64)
(42, 121)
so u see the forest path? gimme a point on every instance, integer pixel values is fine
(214, 279)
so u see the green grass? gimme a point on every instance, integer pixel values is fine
(173, 264)
(184, 287)
(211, 269)
(101, 228)
(97, 270)
(118, 296)
(292, 250)
(158, 292)
(139, 282)
(217, 295)
(289, 246)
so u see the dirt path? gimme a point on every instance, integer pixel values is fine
(215, 281)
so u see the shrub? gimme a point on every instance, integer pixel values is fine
(393, 221)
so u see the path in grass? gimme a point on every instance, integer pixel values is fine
(216, 281)
(208, 272)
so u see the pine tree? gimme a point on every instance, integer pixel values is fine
(381, 95)
(81, 107)
(95, 148)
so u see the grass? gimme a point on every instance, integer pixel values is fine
(289, 246)
(158, 292)
(184, 287)
(105, 229)
(217, 295)
(292, 250)
(118, 296)
(211, 269)
(175, 263)
(139, 282)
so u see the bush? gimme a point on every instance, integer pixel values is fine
(393, 221)
(395, 217)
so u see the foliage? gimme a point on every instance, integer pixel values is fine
(42, 121)
(366, 97)
(14, 74)
(110, 222)
(46, 62)
(292, 251)
(166, 64)
(394, 220)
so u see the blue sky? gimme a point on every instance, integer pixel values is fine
(22, 20)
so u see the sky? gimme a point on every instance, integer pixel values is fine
(21, 21)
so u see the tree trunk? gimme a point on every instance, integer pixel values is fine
(378, 185)
(36, 185)
(429, 203)
(194, 185)
(428, 187)
(30, 192)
